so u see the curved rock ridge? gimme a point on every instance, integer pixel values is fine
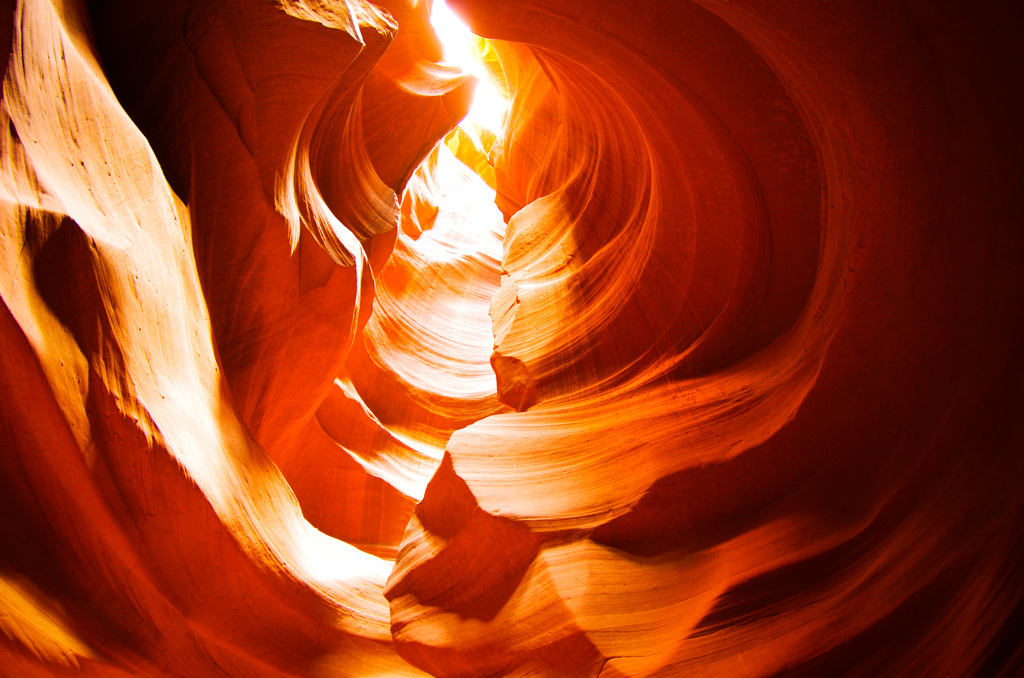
(422, 370)
(150, 439)
(689, 320)
(706, 363)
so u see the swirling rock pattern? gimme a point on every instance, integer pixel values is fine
(707, 363)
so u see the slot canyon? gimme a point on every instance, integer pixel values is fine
(704, 356)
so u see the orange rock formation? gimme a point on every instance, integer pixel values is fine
(708, 363)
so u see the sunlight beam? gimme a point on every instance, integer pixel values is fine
(461, 49)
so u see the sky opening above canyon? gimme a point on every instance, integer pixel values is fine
(462, 49)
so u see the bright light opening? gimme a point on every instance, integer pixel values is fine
(462, 49)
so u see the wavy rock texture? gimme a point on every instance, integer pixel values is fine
(707, 364)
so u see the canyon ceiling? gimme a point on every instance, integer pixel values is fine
(708, 362)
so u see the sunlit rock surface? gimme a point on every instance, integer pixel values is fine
(708, 363)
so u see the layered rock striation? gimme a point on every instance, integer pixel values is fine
(706, 363)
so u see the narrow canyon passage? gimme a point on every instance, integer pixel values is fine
(623, 340)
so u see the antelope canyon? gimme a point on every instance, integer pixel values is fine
(622, 339)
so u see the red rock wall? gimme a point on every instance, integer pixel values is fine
(708, 364)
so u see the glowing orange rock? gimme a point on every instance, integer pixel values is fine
(707, 363)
